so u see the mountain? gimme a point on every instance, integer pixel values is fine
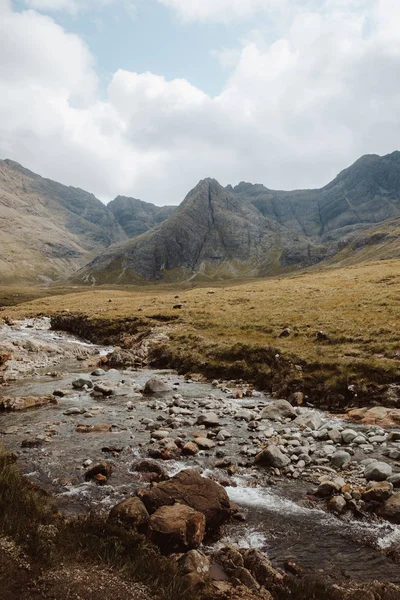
(49, 230)
(136, 216)
(249, 230)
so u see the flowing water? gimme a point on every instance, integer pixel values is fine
(279, 518)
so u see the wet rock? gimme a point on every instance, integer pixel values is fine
(177, 528)
(311, 420)
(395, 480)
(377, 471)
(260, 567)
(349, 435)
(104, 390)
(340, 459)
(80, 383)
(131, 513)
(190, 449)
(189, 488)
(209, 419)
(204, 443)
(391, 509)
(279, 409)
(150, 466)
(378, 492)
(18, 403)
(98, 428)
(99, 473)
(75, 410)
(155, 385)
(62, 393)
(272, 457)
(326, 489)
(337, 505)
(98, 373)
(34, 443)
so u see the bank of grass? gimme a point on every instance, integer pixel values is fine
(29, 517)
(235, 331)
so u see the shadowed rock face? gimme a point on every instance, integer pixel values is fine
(249, 230)
(136, 217)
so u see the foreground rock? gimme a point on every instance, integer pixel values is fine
(189, 488)
(132, 513)
(391, 509)
(377, 471)
(272, 457)
(177, 528)
(100, 473)
(25, 402)
(280, 409)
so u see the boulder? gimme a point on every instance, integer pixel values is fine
(378, 492)
(260, 567)
(209, 419)
(195, 562)
(272, 457)
(177, 528)
(280, 409)
(100, 473)
(312, 420)
(155, 385)
(391, 509)
(24, 403)
(190, 449)
(337, 505)
(395, 480)
(327, 489)
(150, 466)
(80, 383)
(348, 436)
(98, 373)
(131, 513)
(377, 471)
(189, 488)
(340, 459)
(204, 443)
(104, 390)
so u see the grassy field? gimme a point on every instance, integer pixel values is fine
(235, 331)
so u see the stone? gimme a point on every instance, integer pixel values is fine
(155, 385)
(103, 469)
(312, 420)
(195, 562)
(177, 528)
(395, 480)
(98, 373)
(17, 403)
(190, 449)
(160, 434)
(335, 435)
(150, 466)
(337, 505)
(327, 489)
(245, 415)
(80, 383)
(104, 390)
(340, 459)
(348, 435)
(285, 332)
(272, 457)
(189, 488)
(98, 428)
(75, 410)
(260, 567)
(378, 492)
(377, 471)
(391, 509)
(131, 513)
(209, 419)
(204, 443)
(279, 409)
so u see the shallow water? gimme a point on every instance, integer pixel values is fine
(278, 518)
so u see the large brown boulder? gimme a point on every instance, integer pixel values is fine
(131, 513)
(177, 528)
(189, 488)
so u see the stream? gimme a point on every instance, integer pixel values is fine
(280, 518)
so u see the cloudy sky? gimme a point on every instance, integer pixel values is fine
(146, 97)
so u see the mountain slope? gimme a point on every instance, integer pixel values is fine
(136, 217)
(250, 230)
(48, 230)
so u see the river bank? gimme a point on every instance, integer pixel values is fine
(219, 427)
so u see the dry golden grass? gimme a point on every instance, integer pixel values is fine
(358, 308)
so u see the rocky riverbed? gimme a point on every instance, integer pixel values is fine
(317, 493)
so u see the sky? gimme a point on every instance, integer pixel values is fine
(144, 98)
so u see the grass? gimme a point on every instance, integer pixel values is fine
(235, 331)
(29, 516)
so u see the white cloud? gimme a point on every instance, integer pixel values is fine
(75, 6)
(221, 10)
(292, 113)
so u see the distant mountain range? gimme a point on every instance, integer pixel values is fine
(50, 231)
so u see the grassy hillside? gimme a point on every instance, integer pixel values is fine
(235, 332)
